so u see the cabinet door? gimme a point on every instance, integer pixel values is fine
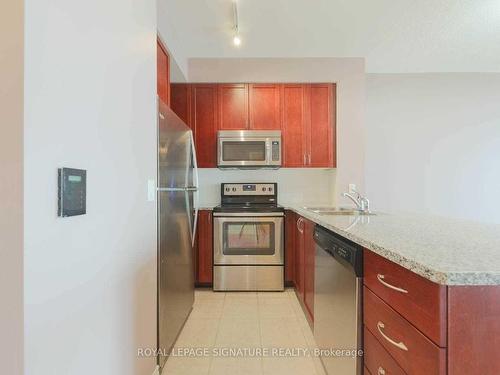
(180, 102)
(294, 152)
(233, 106)
(264, 106)
(205, 248)
(290, 229)
(309, 250)
(299, 257)
(162, 73)
(204, 120)
(321, 128)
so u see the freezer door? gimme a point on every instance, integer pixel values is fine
(175, 162)
(175, 267)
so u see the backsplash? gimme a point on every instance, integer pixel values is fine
(304, 185)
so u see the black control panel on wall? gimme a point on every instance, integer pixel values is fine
(72, 195)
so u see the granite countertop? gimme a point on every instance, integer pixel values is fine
(446, 251)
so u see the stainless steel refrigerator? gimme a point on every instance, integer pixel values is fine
(177, 214)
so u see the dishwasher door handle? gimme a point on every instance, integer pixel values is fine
(400, 345)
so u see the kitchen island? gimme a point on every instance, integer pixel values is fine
(431, 293)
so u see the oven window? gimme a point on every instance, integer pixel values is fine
(244, 151)
(248, 238)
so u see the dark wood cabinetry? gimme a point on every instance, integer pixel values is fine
(162, 73)
(309, 250)
(290, 229)
(204, 249)
(204, 123)
(233, 106)
(264, 106)
(299, 234)
(305, 113)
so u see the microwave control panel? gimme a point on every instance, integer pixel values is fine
(275, 147)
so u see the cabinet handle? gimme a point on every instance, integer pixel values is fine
(380, 371)
(309, 159)
(381, 278)
(399, 345)
(299, 221)
(305, 159)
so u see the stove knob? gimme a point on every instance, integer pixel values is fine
(227, 189)
(263, 189)
(234, 189)
(270, 188)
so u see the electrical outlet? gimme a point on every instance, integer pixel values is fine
(352, 188)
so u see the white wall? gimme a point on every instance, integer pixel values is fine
(90, 281)
(349, 75)
(308, 186)
(433, 144)
(11, 186)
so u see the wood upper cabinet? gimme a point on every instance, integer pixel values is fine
(309, 251)
(264, 106)
(204, 123)
(180, 101)
(321, 125)
(162, 73)
(204, 249)
(233, 106)
(293, 114)
(308, 123)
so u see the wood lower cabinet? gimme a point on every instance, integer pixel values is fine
(428, 328)
(290, 229)
(309, 251)
(299, 231)
(204, 249)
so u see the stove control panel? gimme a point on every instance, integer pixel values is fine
(249, 189)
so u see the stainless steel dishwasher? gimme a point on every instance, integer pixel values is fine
(338, 282)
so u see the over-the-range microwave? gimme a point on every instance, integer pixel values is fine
(249, 149)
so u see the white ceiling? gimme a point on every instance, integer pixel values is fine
(394, 36)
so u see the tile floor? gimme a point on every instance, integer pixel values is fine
(246, 320)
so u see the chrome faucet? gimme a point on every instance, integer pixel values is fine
(361, 202)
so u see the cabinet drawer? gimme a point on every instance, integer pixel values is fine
(418, 300)
(412, 350)
(377, 360)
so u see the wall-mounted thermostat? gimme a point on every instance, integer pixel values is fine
(72, 184)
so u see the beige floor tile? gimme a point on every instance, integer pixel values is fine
(232, 366)
(198, 333)
(241, 308)
(187, 366)
(263, 295)
(241, 295)
(275, 308)
(207, 295)
(288, 366)
(203, 309)
(235, 332)
(281, 333)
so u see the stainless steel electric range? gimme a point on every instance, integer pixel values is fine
(248, 238)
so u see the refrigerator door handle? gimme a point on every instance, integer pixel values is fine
(195, 188)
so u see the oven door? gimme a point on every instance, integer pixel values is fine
(242, 240)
